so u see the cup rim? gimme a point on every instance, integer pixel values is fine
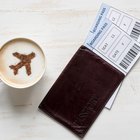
(42, 72)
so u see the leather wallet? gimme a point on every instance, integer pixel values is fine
(81, 91)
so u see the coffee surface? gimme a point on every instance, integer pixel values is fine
(24, 47)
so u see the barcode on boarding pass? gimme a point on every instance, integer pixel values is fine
(130, 56)
(136, 31)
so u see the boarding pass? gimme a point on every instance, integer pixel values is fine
(127, 23)
(114, 45)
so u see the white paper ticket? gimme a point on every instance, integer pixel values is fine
(126, 22)
(114, 45)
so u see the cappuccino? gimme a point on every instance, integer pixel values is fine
(22, 63)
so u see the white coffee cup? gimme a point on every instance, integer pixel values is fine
(23, 78)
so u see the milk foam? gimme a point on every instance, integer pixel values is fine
(6, 57)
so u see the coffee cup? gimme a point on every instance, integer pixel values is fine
(22, 63)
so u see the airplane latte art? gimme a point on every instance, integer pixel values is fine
(25, 60)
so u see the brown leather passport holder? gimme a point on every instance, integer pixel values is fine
(81, 91)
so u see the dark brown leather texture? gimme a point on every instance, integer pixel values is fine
(81, 91)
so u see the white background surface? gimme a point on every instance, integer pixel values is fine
(61, 26)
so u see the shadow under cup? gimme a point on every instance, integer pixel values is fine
(22, 63)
